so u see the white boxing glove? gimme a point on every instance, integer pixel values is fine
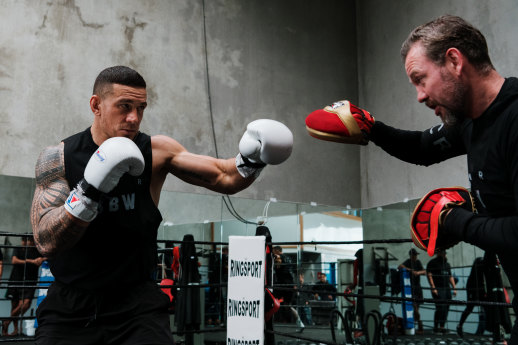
(264, 142)
(115, 157)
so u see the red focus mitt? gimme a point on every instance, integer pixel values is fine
(167, 283)
(341, 122)
(429, 214)
(175, 266)
(272, 304)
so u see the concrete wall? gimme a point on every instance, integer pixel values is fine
(214, 66)
(385, 91)
(15, 203)
(211, 67)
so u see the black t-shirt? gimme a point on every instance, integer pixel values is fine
(27, 271)
(476, 282)
(415, 280)
(441, 272)
(323, 288)
(119, 246)
(283, 271)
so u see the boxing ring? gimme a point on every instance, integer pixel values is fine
(382, 310)
(342, 326)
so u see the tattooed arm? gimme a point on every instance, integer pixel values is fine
(53, 227)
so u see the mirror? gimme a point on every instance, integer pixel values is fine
(318, 243)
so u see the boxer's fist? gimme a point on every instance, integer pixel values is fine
(429, 214)
(340, 122)
(115, 157)
(264, 142)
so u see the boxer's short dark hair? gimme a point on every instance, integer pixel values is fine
(117, 75)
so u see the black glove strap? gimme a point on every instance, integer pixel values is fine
(89, 191)
(250, 164)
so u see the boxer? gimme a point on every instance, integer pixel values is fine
(94, 214)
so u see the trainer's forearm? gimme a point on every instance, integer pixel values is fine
(417, 147)
(488, 233)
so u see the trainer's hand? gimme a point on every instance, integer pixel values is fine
(115, 157)
(264, 142)
(340, 122)
(429, 216)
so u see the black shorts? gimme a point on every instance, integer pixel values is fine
(19, 294)
(417, 293)
(131, 315)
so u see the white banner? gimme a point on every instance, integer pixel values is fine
(245, 301)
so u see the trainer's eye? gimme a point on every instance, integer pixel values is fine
(418, 80)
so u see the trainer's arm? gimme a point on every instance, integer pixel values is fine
(54, 229)
(219, 175)
(427, 147)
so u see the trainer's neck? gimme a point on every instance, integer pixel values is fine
(483, 92)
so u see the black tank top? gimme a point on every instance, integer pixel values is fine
(119, 246)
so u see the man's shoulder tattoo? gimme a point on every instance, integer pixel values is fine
(50, 165)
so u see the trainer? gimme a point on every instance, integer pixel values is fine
(448, 63)
(95, 216)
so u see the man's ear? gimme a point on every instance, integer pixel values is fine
(95, 105)
(454, 61)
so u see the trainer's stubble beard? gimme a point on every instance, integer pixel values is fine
(454, 108)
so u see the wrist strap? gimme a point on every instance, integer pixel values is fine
(89, 191)
(81, 206)
(247, 168)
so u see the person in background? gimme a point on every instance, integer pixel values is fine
(323, 290)
(1, 264)
(358, 281)
(303, 298)
(475, 291)
(26, 262)
(283, 278)
(416, 269)
(440, 278)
